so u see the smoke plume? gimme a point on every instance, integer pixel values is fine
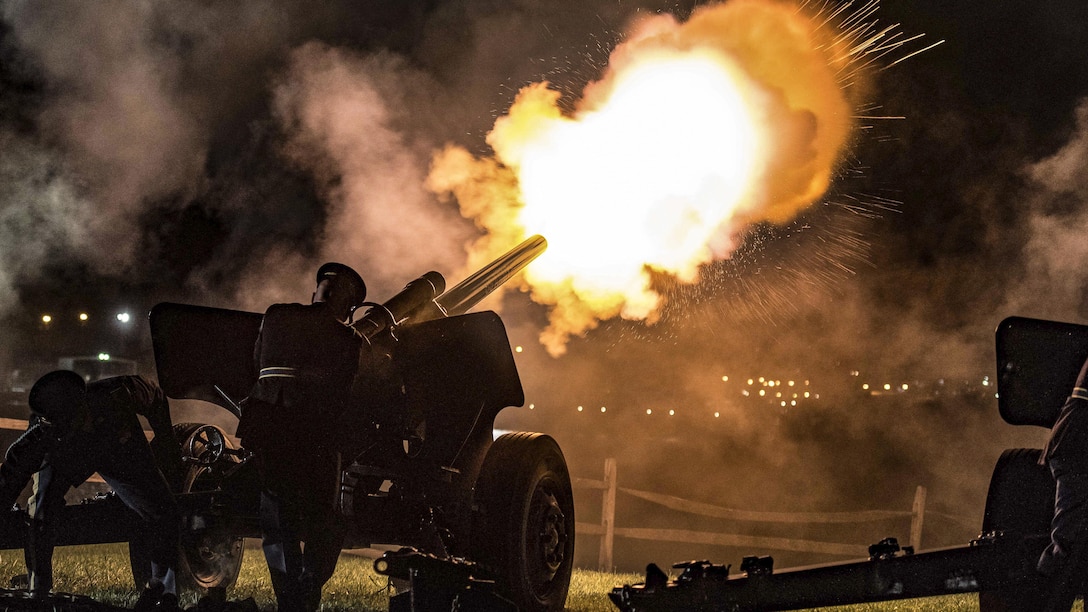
(695, 130)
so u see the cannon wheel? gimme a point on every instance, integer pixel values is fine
(1020, 502)
(524, 523)
(206, 559)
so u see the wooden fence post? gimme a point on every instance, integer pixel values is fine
(918, 512)
(608, 516)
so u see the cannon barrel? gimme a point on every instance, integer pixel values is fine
(469, 292)
(423, 299)
(400, 307)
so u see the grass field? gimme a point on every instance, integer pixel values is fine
(102, 572)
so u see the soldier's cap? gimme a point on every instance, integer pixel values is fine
(342, 272)
(56, 395)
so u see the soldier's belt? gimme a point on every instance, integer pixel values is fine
(286, 372)
(280, 372)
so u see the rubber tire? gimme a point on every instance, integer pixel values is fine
(523, 533)
(214, 561)
(1020, 502)
(1020, 499)
(194, 570)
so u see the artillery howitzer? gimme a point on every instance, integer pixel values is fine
(1037, 365)
(420, 467)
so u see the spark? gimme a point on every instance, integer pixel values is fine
(701, 141)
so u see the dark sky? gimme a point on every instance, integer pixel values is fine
(154, 152)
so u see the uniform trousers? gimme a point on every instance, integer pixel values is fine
(298, 506)
(130, 470)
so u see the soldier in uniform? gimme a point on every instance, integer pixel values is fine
(1065, 560)
(308, 356)
(77, 429)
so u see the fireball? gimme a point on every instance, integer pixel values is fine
(694, 131)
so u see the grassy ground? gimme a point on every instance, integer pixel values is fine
(102, 572)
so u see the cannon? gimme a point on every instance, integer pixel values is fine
(421, 468)
(1037, 365)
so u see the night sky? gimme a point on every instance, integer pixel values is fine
(154, 152)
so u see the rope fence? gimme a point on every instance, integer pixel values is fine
(608, 531)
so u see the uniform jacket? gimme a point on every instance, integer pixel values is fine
(113, 405)
(306, 360)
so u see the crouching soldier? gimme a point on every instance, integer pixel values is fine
(75, 430)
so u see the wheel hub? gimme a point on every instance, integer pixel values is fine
(553, 536)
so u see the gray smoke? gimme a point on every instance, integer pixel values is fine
(116, 115)
(1055, 285)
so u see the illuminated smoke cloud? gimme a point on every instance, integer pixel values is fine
(695, 130)
(36, 199)
(146, 110)
(349, 120)
(1055, 284)
(114, 111)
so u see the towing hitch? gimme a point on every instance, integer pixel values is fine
(439, 583)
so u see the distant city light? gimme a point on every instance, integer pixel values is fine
(865, 386)
(887, 386)
(579, 408)
(717, 414)
(123, 317)
(905, 387)
(649, 411)
(47, 319)
(517, 349)
(531, 406)
(725, 379)
(83, 316)
(603, 409)
(103, 356)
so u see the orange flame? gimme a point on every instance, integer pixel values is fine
(695, 130)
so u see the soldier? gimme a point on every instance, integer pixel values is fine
(77, 429)
(308, 356)
(1063, 562)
